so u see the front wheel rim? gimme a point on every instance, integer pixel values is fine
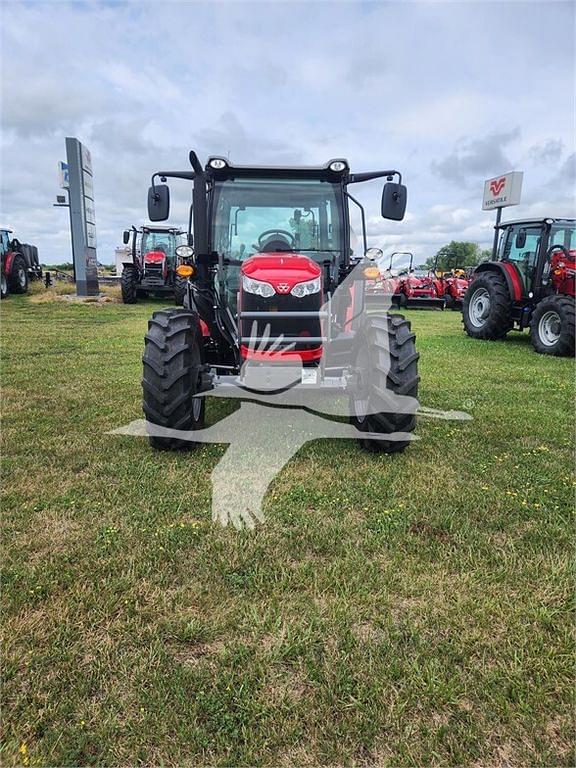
(479, 307)
(549, 328)
(21, 278)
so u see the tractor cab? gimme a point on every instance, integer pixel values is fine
(276, 229)
(528, 248)
(530, 283)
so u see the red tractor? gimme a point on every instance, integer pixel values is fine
(19, 264)
(156, 253)
(271, 279)
(454, 284)
(529, 284)
(420, 288)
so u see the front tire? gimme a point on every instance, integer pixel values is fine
(386, 362)
(129, 285)
(18, 278)
(487, 307)
(172, 368)
(3, 286)
(552, 327)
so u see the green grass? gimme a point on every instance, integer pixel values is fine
(406, 610)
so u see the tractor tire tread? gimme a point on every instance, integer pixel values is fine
(500, 320)
(171, 365)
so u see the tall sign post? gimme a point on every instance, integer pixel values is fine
(500, 192)
(82, 217)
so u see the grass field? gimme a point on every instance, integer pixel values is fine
(405, 610)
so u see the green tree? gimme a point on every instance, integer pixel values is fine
(458, 254)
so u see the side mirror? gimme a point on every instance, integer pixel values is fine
(521, 239)
(159, 202)
(126, 237)
(394, 197)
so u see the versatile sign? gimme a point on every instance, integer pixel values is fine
(502, 191)
(82, 217)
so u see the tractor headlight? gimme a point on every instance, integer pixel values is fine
(258, 287)
(184, 251)
(306, 289)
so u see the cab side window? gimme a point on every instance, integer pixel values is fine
(523, 256)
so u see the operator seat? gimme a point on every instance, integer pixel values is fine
(275, 244)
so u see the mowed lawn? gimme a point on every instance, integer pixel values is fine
(406, 610)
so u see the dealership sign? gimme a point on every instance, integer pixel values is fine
(502, 191)
(82, 216)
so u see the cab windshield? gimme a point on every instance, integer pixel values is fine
(563, 234)
(265, 215)
(159, 241)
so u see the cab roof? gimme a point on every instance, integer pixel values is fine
(544, 220)
(154, 228)
(321, 172)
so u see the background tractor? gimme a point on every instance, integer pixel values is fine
(454, 282)
(152, 268)
(382, 280)
(529, 284)
(19, 264)
(419, 288)
(272, 284)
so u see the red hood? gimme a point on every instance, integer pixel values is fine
(154, 257)
(282, 270)
(459, 282)
(420, 282)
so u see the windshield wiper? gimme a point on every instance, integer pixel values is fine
(316, 250)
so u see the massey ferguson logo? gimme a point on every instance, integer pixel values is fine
(497, 185)
(283, 287)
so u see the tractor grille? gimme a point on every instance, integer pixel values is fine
(297, 321)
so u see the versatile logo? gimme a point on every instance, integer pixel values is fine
(283, 287)
(497, 185)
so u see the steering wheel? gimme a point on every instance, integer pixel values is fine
(548, 262)
(283, 232)
(557, 248)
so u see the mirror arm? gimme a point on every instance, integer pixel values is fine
(354, 178)
(364, 238)
(195, 163)
(163, 175)
(134, 234)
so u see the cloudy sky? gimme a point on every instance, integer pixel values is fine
(449, 93)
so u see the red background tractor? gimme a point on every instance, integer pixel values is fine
(20, 264)
(529, 284)
(420, 288)
(454, 285)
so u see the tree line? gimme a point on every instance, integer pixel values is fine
(458, 254)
